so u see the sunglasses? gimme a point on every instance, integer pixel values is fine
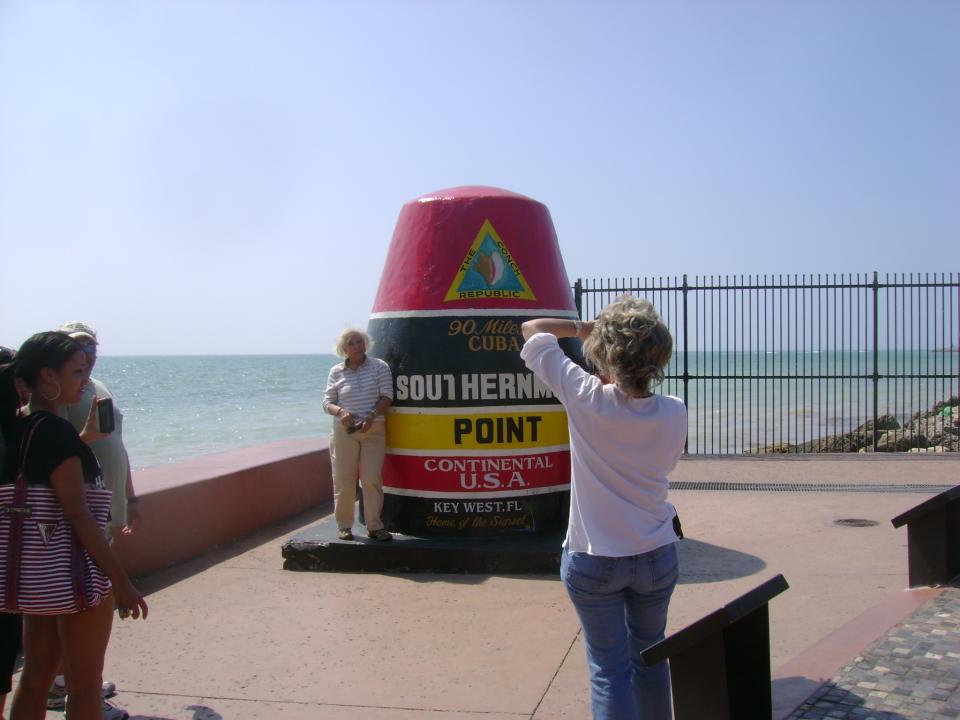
(89, 347)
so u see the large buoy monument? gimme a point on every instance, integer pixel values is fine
(476, 445)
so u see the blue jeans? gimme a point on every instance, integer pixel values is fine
(622, 604)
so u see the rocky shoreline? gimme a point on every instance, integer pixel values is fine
(930, 431)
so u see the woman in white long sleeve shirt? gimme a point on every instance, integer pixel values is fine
(619, 561)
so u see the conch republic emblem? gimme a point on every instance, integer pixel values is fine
(476, 445)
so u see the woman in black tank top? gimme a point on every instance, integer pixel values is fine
(52, 366)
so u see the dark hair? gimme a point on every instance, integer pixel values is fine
(9, 403)
(9, 397)
(44, 350)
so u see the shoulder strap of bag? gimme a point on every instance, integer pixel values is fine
(18, 511)
(33, 422)
(77, 576)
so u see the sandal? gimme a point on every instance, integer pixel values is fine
(344, 534)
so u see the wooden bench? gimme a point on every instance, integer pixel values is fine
(933, 536)
(720, 665)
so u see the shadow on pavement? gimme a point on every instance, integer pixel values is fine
(701, 562)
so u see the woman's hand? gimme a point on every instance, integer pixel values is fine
(130, 602)
(346, 418)
(368, 422)
(133, 519)
(91, 428)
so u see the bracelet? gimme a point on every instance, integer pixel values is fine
(577, 327)
(337, 413)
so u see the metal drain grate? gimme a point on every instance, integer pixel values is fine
(806, 487)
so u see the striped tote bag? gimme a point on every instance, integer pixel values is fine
(44, 570)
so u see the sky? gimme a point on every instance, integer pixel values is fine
(223, 177)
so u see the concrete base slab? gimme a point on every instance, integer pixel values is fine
(318, 549)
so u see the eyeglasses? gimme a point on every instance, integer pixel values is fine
(89, 347)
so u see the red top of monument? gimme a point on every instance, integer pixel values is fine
(472, 191)
(474, 248)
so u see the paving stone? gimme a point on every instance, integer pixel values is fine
(913, 672)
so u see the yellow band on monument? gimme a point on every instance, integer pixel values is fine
(530, 428)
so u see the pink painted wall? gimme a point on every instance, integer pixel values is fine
(194, 506)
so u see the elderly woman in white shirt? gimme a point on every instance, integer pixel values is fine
(359, 390)
(619, 562)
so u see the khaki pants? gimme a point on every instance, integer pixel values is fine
(358, 455)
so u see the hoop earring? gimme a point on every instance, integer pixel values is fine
(51, 399)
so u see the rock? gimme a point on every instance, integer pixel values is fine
(900, 440)
(884, 422)
(939, 428)
(782, 448)
(928, 424)
(951, 443)
(831, 444)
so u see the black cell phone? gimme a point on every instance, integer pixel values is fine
(105, 415)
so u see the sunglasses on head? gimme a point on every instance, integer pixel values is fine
(90, 347)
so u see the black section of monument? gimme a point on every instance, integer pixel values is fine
(317, 549)
(544, 513)
(446, 363)
(451, 362)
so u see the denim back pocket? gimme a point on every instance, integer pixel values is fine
(664, 566)
(592, 573)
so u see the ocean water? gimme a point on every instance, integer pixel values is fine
(797, 397)
(176, 408)
(182, 407)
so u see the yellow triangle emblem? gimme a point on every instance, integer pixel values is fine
(489, 271)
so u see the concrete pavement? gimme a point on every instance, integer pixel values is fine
(232, 635)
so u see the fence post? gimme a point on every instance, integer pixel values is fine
(876, 359)
(686, 355)
(578, 297)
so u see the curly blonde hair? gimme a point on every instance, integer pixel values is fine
(340, 347)
(630, 345)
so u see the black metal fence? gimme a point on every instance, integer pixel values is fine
(824, 363)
